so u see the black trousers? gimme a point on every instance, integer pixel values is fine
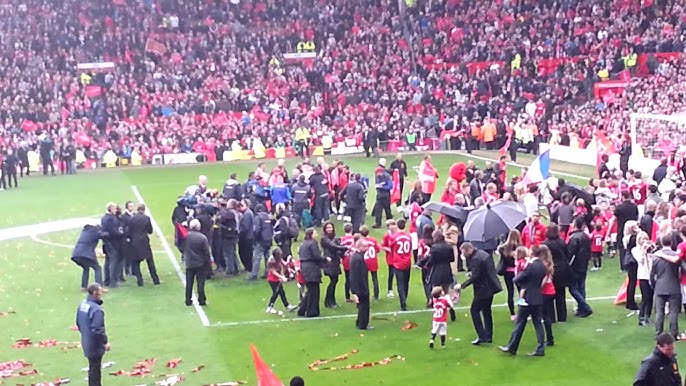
(330, 297)
(95, 371)
(357, 218)
(482, 318)
(509, 284)
(362, 312)
(12, 173)
(536, 319)
(548, 316)
(310, 305)
(277, 291)
(560, 304)
(375, 283)
(647, 296)
(401, 186)
(402, 276)
(114, 264)
(191, 275)
(632, 271)
(382, 204)
(245, 252)
(87, 264)
(47, 163)
(391, 275)
(136, 270)
(347, 285)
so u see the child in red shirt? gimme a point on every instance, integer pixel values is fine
(597, 238)
(580, 209)
(348, 241)
(371, 258)
(441, 305)
(386, 245)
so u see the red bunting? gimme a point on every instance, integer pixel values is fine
(5, 313)
(93, 91)
(315, 366)
(173, 363)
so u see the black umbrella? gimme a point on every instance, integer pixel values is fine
(577, 192)
(492, 221)
(457, 213)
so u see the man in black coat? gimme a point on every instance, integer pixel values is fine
(660, 171)
(84, 253)
(664, 279)
(196, 249)
(228, 223)
(90, 319)
(47, 145)
(370, 140)
(140, 229)
(301, 193)
(530, 281)
(320, 187)
(23, 155)
(126, 251)
(579, 253)
(355, 201)
(359, 284)
(311, 262)
(483, 276)
(10, 165)
(264, 235)
(624, 212)
(113, 234)
(246, 237)
(660, 367)
(400, 165)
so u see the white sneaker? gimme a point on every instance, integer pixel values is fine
(271, 310)
(593, 269)
(390, 294)
(347, 218)
(631, 313)
(333, 210)
(291, 307)
(401, 209)
(339, 217)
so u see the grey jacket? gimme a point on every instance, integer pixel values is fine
(664, 277)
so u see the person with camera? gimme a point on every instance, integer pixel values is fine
(229, 228)
(113, 233)
(285, 229)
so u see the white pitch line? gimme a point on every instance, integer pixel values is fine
(165, 245)
(347, 316)
(50, 243)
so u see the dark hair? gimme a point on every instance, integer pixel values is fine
(348, 227)
(579, 222)
(309, 233)
(665, 339)
(297, 381)
(438, 236)
(277, 253)
(93, 288)
(682, 197)
(332, 227)
(553, 231)
(141, 208)
(401, 224)
(626, 195)
(364, 231)
(682, 230)
(533, 188)
(652, 188)
(666, 240)
(427, 234)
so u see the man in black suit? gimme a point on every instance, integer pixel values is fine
(624, 212)
(196, 249)
(139, 230)
(355, 198)
(483, 277)
(359, 284)
(530, 281)
(113, 233)
(126, 250)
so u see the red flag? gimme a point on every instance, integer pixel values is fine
(621, 294)
(28, 126)
(65, 114)
(183, 232)
(506, 146)
(93, 91)
(395, 192)
(265, 376)
(155, 47)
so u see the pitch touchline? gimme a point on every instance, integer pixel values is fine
(165, 245)
(347, 316)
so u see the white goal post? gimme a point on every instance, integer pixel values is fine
(645, 151)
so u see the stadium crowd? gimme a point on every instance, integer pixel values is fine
(201, 77)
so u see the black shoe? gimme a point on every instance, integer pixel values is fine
(506, 350)
(403, 308)
(189, 304)
(585, 314)
(203, 304)
(535, 354)
(550, 343)
(157, 283)
(376, 226)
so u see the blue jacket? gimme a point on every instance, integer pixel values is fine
(280, 194)
(90, 318)
(87, 242)
(112, 227)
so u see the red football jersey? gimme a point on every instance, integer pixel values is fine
(441, 306)
(639, 192)
(415, 212)
(597, 238)
(387, 244)
(348, 241)
(371, 256)
(402, 250)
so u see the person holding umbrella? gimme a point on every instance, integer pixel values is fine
(482, 276)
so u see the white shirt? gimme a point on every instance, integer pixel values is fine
(531, 204)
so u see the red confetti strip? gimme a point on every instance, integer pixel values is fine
(139, 369)
(173, 363)
(74, 328)
(5, 313)
(26, 343)
(198, 368)
(363, 365)
(9, 369)
(315, 365)
(409, 325)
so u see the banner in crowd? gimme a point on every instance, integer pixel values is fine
(152, 45)
(180, 158)
(97, 66)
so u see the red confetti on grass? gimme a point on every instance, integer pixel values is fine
(173, 363)
(139, 369)
(56, 382)
(6, 313)
(74, 328)
(26, 343)
(198, 368)
(9, 369)
(315, 366)
(409, 325)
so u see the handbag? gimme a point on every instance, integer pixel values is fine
(500, 268)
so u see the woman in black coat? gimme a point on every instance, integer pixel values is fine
(311, 262)
(332, 248)
(440, 257)
(563, 275)
(506, 266)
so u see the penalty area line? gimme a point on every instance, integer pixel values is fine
(167, 249)
(348, 316)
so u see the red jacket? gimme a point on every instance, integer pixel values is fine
(533, 235)
(371, 256)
